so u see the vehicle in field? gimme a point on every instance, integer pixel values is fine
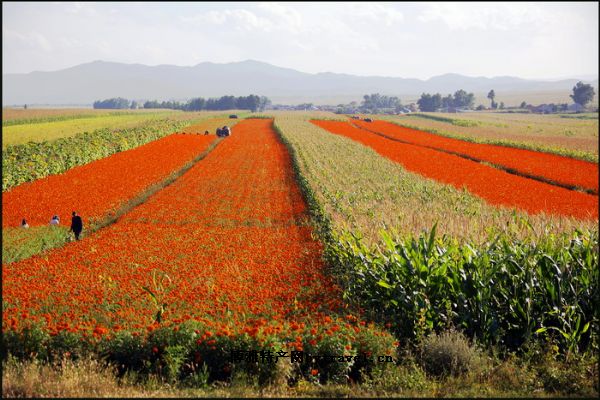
(224, 131)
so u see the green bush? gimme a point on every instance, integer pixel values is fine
(448, 354)
(26, 344)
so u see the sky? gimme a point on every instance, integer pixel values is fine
(400, 39)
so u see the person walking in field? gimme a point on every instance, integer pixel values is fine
(76, 225)
(55, 220)
(24, 224)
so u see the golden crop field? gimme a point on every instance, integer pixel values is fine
(48, 131)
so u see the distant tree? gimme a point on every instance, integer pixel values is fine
(264, 103)
(480, 107)
(211, 104)
(463, 99)
(196, 104)
(492, 95)
(502, 105)
(114, 103)
(308, 106)
(523, 105)
(226, 103)
(151, 104)
(25, 107)
(428, 102)
(582, 93)
(376, 101)
(134, 105)
(447, 101)
(252, 103)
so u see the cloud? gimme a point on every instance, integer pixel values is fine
(499, 16)
(32, 39)
(238, 19)
(284, 17)
(264, 17)
(374, 13)
(81, 8)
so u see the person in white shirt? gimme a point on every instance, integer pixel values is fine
(24, 224)
(55, 220)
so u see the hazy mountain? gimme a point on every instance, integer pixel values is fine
(85, 83)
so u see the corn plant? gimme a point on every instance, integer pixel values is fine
(506, 292)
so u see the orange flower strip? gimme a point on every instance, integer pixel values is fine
(494, 185)
(97, 188)
(225, 244)
(552, 167)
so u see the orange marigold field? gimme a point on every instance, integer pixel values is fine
(555, 168)
(494, 185)
(96, 189)
(227, 242)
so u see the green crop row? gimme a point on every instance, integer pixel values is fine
(453, 121)
(30, 161)
(591, 116)
(68, 117)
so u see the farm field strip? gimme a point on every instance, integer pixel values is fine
(100, 187)
(548, 133)
(48, 131)
(553, 169)
(72, 116)
(259, 271)
(495, 186)
(19, 115)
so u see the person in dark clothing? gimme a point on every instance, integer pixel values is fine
(76, 225)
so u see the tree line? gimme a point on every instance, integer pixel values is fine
(460, 99)
(252, 102)
(374, 103)
(582, 94)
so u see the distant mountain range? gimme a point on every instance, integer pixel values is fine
(85, 83)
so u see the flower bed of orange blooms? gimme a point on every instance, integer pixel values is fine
(226, 245)
(97, 188)
(563, 170)
(495, 186)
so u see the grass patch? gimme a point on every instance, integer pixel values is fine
(19, 243)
